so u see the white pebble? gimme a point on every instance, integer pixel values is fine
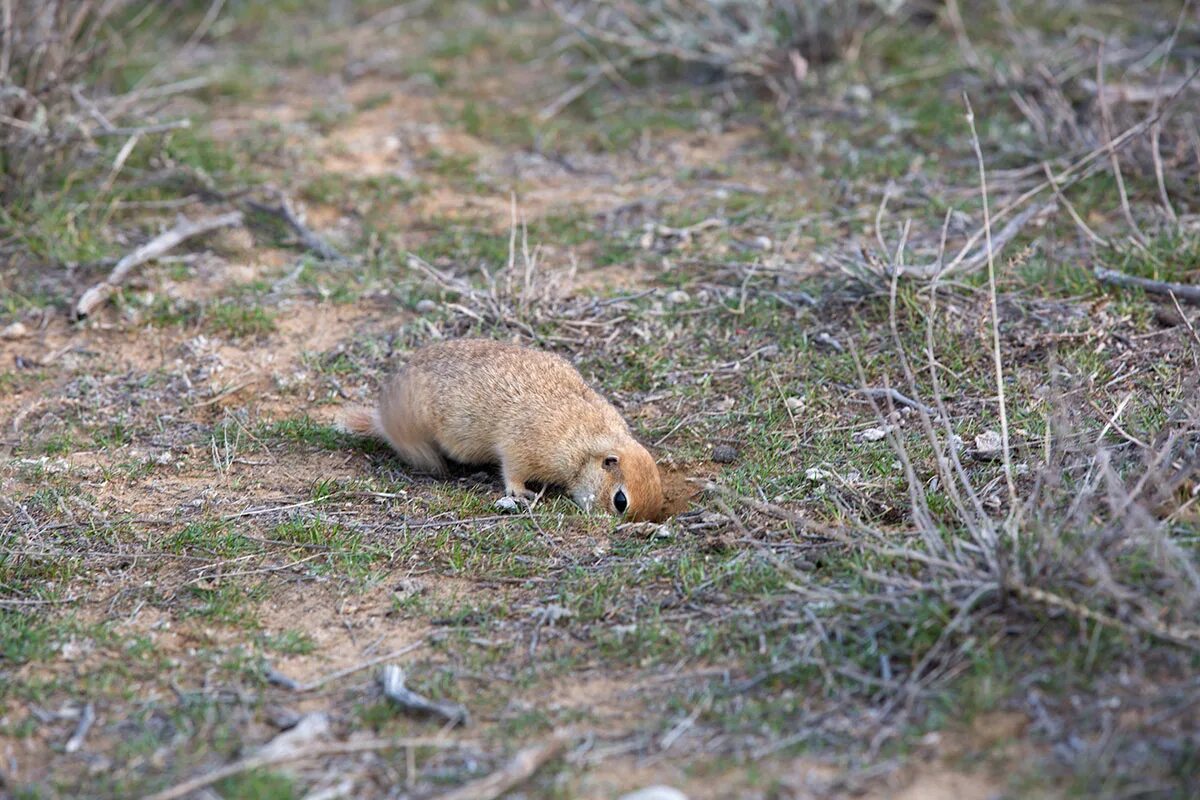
(655, 793)
(17, 330)
(988, 442)
(872, 434)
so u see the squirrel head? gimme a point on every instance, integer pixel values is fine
(623, 480)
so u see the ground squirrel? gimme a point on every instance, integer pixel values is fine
(477, 401)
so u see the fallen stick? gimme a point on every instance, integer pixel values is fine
(1184, 292)
(979, 258)
(897, 397)
(86, 718)
(160, 127)
(159, 245)
(392, 680)
(287, 683)
(522, 767)
(311, 241)
(258, 762)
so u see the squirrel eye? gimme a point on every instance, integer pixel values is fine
(620, 503)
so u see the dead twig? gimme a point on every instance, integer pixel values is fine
(259, 762)
(1062, 198)
(605, 69)
(86, 718)
(1183, 292)
(286, 211)
(1114, 159)
(970, 257)
(142, 130)
(158, 246)
(522, 767)
(991, 264)
(897, 397)
(1176, 634)
(980, 257)
(341, 673)
(392, 680)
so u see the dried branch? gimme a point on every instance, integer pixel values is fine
(287, 212)
(523, 766)
(283, 680)
(158, 246)
(896, 397)
(392, 680)
(1184, 292)
(316, 751)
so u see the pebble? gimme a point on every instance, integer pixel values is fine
(988, 442)
(655, 793)
(17, 330)
(724, 454)
(872, 434)
(426, 306)
(678, 297)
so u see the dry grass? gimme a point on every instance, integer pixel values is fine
(50, 55)
(771, 43)
(861, 594)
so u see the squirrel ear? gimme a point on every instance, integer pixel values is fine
(610, 462)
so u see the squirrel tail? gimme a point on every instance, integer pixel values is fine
(362, 421)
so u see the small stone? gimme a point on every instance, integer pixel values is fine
(988, 442)
(762, 242)
(816, 474)
(678, 297)
(794, 403)
(872, 434)
(724, 454)
(621, 631)
(407, 588)
(552, 613)
(655, 793)
(74, 650)
(17, 330)
(859, 93)
(426, 306)
(507, 505)
(236, 240)
(283, 717)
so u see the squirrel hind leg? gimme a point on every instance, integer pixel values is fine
(425, 456)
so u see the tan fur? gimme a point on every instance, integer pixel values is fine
(482, 402)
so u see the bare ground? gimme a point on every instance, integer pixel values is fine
(174, 475)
